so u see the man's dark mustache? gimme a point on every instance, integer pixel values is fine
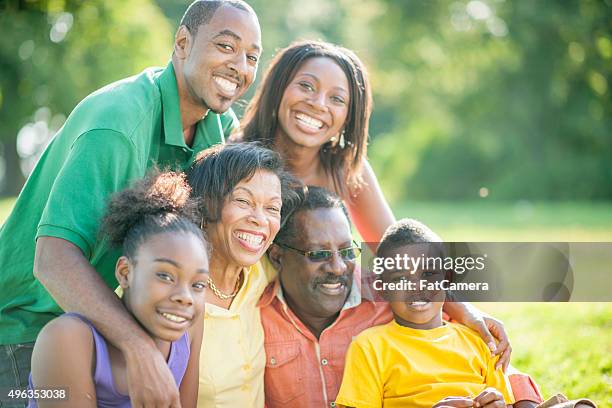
(233, 75)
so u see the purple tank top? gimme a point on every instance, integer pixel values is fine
(106, 394)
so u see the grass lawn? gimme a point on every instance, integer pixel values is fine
(566, 347)
(510, 222)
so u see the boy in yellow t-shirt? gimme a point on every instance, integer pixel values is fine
(416, 360)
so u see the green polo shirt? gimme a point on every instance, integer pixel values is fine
(110, 139)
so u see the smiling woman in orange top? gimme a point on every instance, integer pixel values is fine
(313, 107)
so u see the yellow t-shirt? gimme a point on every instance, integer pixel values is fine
(232, 358)
(396, 366)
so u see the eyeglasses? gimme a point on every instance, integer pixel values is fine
(323, 255)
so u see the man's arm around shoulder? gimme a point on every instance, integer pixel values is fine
(75, 285)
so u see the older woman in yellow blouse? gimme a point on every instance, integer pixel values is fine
(241, 189)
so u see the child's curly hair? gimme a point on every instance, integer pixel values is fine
(158, 203)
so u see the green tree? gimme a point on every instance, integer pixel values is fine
(512, 96)
(53, 53)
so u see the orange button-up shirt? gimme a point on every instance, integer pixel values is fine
(303, 371)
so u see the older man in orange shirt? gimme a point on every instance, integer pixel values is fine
(313, 310)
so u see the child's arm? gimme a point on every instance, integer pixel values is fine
(455, 402)
(490, 398)
(189, 386)
(63, 359)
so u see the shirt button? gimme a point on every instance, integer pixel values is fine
(324, 361)
(245, 387)
(246, 367)
(273, 361)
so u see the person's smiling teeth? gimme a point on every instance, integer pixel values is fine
(332, 285)
(226, 86)
(173, 318)
(251, 239)
(309, 121)
(419, 303)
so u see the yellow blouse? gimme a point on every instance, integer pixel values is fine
(232, 359)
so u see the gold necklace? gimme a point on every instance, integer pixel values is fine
(222, 295)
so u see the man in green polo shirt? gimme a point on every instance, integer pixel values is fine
(51, 258)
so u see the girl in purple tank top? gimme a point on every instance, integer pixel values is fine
(163, 275)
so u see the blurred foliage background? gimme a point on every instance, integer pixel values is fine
(503, 100)
(492, 121)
